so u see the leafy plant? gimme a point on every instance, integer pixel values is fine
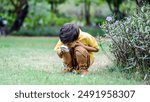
(131, 41)
(39, 31)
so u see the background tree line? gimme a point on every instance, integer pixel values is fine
(25, 16)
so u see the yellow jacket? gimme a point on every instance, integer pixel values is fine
(86, 39)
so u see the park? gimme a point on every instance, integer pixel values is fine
(29, 31)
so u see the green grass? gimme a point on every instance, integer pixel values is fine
(32, 61)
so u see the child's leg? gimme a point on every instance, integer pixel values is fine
(67, 60)
(82, 58)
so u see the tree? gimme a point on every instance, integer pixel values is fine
(87, 7)
(21, 10)
(114, 6)
(54, 4)
(87, 4)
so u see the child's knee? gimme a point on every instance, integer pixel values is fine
(66, 62)
(82, 58)
(66, 57)
(81, 53)
(78, 54)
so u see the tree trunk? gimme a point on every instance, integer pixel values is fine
(87, 12)
(116, 10)
(54, 7)
(117, 13)
(21, 13)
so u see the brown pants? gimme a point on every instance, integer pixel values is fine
(77, 59)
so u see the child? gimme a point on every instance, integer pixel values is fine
(76, 48)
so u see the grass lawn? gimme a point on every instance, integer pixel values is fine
(32, 61)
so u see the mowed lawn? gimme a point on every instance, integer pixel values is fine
(32, 61)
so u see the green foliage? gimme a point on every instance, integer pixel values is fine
(131, 41)
(98, 21)
(40, 15)
(37, 16)
(89, 1)
(95, 31)
(38, 31)
(6, 11)
(54, 31)
(59, 20)
(56, 1)
(128, 7)
(41, 22)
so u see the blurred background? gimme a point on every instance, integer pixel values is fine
(45, 17)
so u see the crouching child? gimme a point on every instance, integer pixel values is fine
(76, 49)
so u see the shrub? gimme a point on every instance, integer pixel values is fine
(131, 41)
(53, 31)
(38, 31)
(95, 31)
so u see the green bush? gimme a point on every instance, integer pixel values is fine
(53, 31)
(98, 21)
(95, 31)
(131, 41)
(38, 31)
(61, 21)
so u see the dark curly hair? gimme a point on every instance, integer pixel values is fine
(69, 33)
